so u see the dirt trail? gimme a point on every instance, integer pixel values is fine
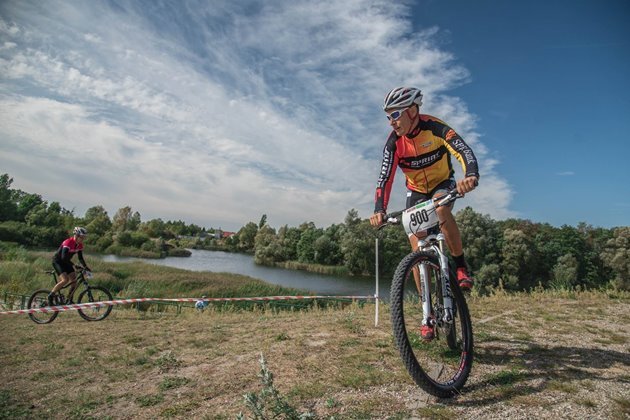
(539, 356)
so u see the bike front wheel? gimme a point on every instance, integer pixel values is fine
(440, 366)
(91, 295)
(39, 300)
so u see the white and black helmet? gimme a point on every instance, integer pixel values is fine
(79, 231)
(402, 97)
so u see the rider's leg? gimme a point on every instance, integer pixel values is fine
(450, 230)
(73, 285)
(413, 240)
(64, 279)
(426, 329)
(453, 239)
(64, 270)
(452, 236)
(413, 198)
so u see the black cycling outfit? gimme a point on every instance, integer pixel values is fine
(62, 260)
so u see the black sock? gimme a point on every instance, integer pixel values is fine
(460, 261)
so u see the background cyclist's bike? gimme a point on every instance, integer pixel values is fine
(440, 366)
(39, 299)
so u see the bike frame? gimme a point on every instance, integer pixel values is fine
(79, 280)
(435, 243)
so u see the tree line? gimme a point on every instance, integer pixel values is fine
(515, 254)
(27, 219)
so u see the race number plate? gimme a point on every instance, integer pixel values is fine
(420, 217)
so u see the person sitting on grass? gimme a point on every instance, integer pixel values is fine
(201, 304)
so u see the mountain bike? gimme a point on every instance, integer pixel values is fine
(425, 290)
(39, 299)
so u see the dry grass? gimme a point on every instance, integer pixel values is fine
(540, 356)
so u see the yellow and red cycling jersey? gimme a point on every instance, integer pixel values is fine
(424, 156)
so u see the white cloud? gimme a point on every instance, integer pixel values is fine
(217, 113)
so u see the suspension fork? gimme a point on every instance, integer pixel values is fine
(447, 294)
(425, 293)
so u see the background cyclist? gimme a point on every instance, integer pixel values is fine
(422, 145)
(62, 261)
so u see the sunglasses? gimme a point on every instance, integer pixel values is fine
(396, 114)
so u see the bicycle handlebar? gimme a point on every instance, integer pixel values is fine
(394, 217)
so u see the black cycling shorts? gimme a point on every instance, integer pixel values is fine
(63, 267)
(415, 197)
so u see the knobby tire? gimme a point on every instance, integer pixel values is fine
(95, 294)
(440, 367)
(38, 300)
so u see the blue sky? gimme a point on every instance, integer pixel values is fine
(217, 112)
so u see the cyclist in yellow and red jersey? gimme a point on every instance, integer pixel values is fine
(62, 261)
(422, 146)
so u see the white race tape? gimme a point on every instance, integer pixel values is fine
(77, 306)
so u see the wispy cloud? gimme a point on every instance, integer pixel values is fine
(217, 113)
(566, 173)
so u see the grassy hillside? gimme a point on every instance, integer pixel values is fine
(24, 271)
(537, 356)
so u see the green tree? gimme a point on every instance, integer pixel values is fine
(96, 221)
(268, 246)
(25, 203)
(176, 228)
(326, 251)
(122, 219)
(132, 239)
(289, 238)
(358, 244)
(134, 221)
(480, 237)
(517, 258)
(126, 219)
(45, 216)
(154, 228)
(247, 237)
(595, 273)
(487, 278)
(565, 273)
(8, 207)
(616, 256)
(335, 232)
(393, 246)
(306, 244)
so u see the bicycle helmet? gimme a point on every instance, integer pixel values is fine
(402, 97)
(79, 231)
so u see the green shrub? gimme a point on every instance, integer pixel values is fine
(269, 403)
(179, 252)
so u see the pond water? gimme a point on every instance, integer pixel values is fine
(227, 262)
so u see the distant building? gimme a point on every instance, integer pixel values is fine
(221, 234)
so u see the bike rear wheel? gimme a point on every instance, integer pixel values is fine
(95, 294)
(440, 366)
(39, 300)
